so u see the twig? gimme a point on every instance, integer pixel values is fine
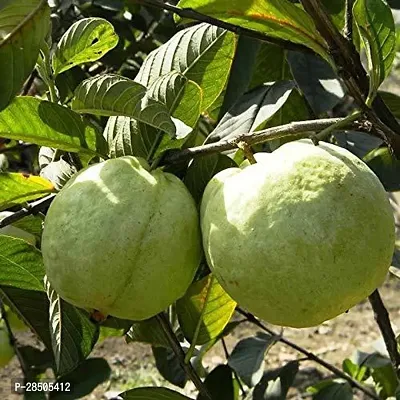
(348, 26)
(234, 372)
(176, 347)
(382, 318)
(298, 129)
(311, 356)
(192, 14)
(32, 208)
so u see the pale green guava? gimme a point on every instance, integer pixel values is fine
(13, 231)
(6, 350)
(301, 236)
(122, 240)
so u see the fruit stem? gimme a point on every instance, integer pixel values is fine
(251, 318)
(180, 354)
(382, 318)
(248, 152)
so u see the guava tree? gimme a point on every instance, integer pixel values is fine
(163, 164)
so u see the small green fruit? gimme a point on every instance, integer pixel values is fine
(6, 350)
(300, 237)
(13, 231)
(122, 240)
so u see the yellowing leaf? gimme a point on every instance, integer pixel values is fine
(279, 19)
(18, 188)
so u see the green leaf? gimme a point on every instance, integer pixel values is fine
(169, 366)
(31, 224)
(110, 95)
(18, 188)
(83, 380)
(23, 26)
(358, 372)
(241, 72)
(270, 66)
(73, 335)
(382, 372)
(375, 23)
(32, 307)
(276, 18)
(181, 96)
(221, 384)
(247, 358)
(275, 384)
(204, 311)
(202, 169)
(21, 264)
(317, 81)
(386, 167)
(337, 389)
(252, 110)
(392, 101)
(148, 331)
(49, 124)
(202, 53)
(86, 40)
(152, 393)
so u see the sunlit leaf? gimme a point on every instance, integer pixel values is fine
(110, 95)
(18, 188)
(86, 40)
(202, 53)
(49, 124)
(375, 23)
(276, 18)
(23, 26)
(204, 311)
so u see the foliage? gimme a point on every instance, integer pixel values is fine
(86, 81)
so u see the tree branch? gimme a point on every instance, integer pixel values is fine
(382, 318)
(311, 356)
(32, 208)
(176, 347)
(353, 73)
(192, 14)
(299, 129)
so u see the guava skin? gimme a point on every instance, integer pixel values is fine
(301, 236)
(122, 240)
(6, 350)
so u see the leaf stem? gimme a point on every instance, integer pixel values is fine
(248, 152)
(176, 347)
(311, 356)
(348, 26)
(337, 126)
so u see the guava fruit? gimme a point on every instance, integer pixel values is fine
(301, 236)
(13, 231)
(122, 240)
(6, 350)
